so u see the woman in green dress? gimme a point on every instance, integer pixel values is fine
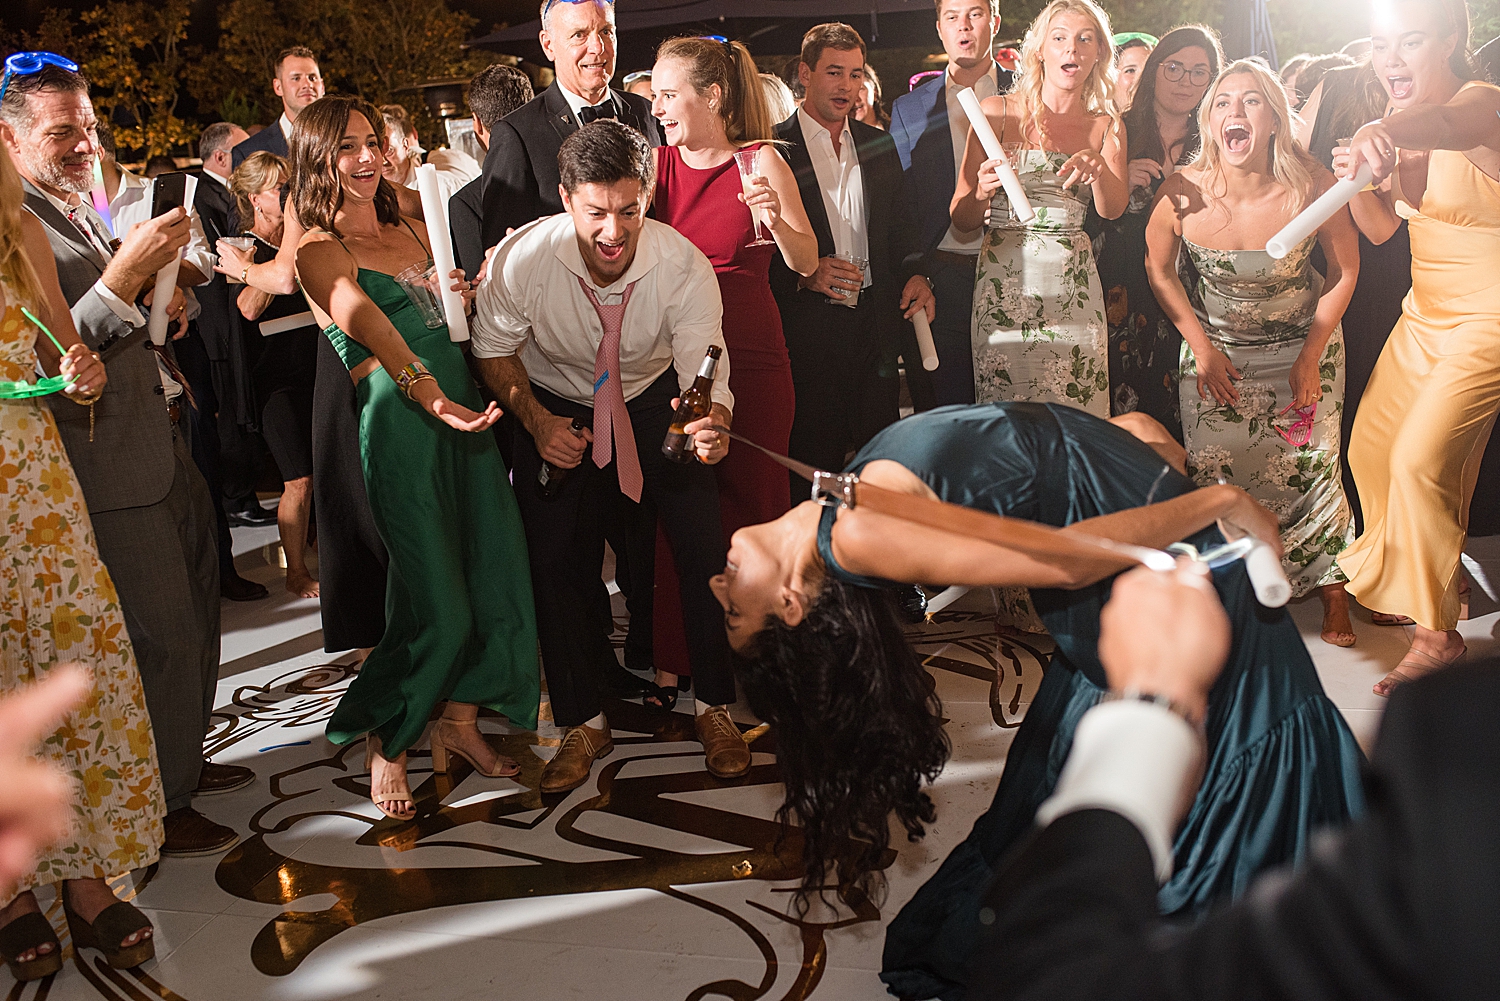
(1262, 384)
(460, 624)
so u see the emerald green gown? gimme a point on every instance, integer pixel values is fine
(460, 623)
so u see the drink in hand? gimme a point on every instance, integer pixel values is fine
(746, 159)
(549, 479)
(694, 405)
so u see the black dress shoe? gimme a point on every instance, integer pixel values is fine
(190, 833)
(215, 779)
(250, 515)
(237, 588)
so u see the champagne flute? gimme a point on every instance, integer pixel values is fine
(746, 159)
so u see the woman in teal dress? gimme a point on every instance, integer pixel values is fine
(858, 731)
(460, 624)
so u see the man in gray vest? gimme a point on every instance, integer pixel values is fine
(153, 516)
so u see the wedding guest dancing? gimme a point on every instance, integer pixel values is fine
(60, 606)
(1039, 330)
(460, 624)
(602, 317)
(712, 107)
(1431, 402)
(858, 731)
(1262, 378)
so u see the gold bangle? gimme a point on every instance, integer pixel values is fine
(410, 383)
(245, 275)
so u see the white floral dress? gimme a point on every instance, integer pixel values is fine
(58, 605)
(1258, 311)
(1039, 331)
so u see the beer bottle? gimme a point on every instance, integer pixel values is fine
(695, 404)
(549, 479)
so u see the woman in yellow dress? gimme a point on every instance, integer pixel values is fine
(57, 605)
(1427, 414)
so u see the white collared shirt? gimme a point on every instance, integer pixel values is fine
(286, 127)
(131, 206)
(126, 311)
(224, 181)
(577, 104)
(842, 184)
(960, 241)
(532, 305)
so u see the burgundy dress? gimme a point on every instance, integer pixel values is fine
(704, 206)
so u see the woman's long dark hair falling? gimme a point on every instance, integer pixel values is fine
(1141, 128)
(857, 726)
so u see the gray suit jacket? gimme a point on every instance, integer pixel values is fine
(130, 462)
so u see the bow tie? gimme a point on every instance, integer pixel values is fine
(605, 109)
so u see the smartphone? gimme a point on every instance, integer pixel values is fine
(168, 192)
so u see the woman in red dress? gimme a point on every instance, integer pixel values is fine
(711, 105)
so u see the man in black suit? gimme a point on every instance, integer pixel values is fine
(520, 170)
(930, 131)
(494, 92)
(298, 82)
(1403, 904)
(849, 176)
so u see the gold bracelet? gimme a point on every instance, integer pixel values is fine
(245, 275)
(407, 386)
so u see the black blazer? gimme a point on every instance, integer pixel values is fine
(216, 207)
(466, 224)
(520, 169)
(887, 216)
(269, 138)
(1404, 904)
(919, 127)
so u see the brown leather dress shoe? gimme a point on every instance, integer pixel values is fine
(190, 833)
(569, 767)
(724, 750)
(215, 779)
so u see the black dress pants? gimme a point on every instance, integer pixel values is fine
(193, 360)
(953, 287)
(565, 537)
(843, 396)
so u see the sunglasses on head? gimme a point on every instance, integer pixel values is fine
(27, 63)
(553, 3)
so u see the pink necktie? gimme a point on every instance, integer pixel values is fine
(611, 419)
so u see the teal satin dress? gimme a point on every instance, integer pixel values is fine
(1282, 762)
(460, 623)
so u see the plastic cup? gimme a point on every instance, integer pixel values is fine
(852, 299)
(244, 244)
(419, 282)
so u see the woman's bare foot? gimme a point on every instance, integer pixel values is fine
(20, 907)
(89, 898)
(1431, 650)
(1338, 629)
(302, 584)
(1387, 619)
(389, 788)
(666, 680)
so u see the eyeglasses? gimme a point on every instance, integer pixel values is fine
(1173, 71)
(27, 63)
(552, 3)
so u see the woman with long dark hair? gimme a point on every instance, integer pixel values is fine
(858, 731)
(460, 626)
(1432, 399)
(1162, 128)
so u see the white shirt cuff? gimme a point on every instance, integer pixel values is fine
(1136, 759)
(124, 310)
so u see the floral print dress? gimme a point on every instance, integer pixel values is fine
(1258, 311)
(58, 605)
(1039, 332)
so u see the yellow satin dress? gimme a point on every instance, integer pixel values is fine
(1426, 415)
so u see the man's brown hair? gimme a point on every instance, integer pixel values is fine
(295, 52)
(994, 6)
(833, 35)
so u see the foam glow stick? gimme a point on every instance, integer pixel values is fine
(924, 340)
(1019, 203)
(435, 211)
(1267, 577)
(166, 278)
(1310, 219)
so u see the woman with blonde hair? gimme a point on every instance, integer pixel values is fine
(1039, 330)
(712, 107)
(59, 605)
(286, 360)
(1262, 377)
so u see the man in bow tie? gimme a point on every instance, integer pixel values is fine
(520, 170)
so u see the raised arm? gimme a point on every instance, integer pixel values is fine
(1106, 171)
(275, 277)
(781, 202)
(1470, 121)
(977, 180)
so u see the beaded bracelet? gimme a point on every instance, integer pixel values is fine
(412, 374)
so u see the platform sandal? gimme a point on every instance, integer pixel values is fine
(28, 933)
(114, 924)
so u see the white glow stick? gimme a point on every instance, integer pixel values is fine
(1311, 219)
(941, 601)
(166, 278)
(1019, 203)
(924, 340)
(441, 241)
(1267, 576)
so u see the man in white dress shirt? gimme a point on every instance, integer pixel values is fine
(849, 176)
(298, 82)
(930, 130)
(597, 318)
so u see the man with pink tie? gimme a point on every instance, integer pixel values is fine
(604, 316)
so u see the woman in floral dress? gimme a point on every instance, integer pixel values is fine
(58, 605)
(1039, 329)
(1262, 381)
